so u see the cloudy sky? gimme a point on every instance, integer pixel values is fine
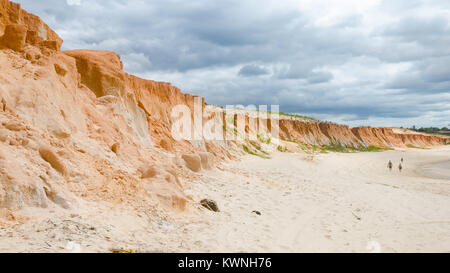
(371, 62)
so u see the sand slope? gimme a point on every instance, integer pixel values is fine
(335, 203)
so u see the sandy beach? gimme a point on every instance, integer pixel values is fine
(329, 203)
(439, 170)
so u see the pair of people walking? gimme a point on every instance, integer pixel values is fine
(391, 165)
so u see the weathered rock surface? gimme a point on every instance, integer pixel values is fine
(149, 172)
(206, 160)
(36, 29)
(14, 37)
(49, 155)
(193, 162)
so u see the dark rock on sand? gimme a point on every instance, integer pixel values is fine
(210, 204)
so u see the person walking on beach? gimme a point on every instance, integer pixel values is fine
(402, 160)
(400, 167)
(390, 165)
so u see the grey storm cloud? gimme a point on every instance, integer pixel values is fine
(253, 70)
(320, 77)
(357, 62)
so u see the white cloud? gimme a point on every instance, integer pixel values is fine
(73, 2)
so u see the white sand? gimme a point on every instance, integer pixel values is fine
(335, 203)
(440, 170)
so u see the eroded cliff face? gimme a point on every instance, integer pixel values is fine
(326, 133)
(76, 128)
(318, 133)
(386, 137)
(19, 27)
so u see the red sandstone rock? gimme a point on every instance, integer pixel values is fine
(13, 14)
(193, 162)
(14, 37)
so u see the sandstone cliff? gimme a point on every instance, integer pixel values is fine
(19, 27)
